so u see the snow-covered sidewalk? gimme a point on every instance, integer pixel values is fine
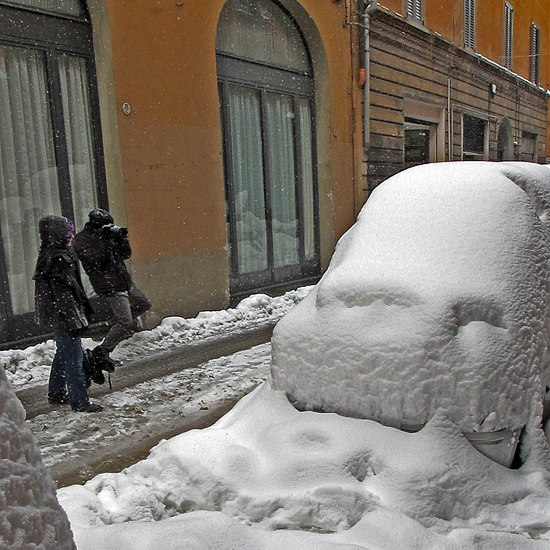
(76, 446)
(31, 366)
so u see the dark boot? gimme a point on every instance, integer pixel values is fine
(92, 368)
(89, 408)
(87, 366)
(58, 399)
(102, 360)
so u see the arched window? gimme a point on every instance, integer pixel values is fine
(50, 140)
(266, 97)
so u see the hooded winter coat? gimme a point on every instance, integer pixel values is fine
(102, 254)
(60, 299)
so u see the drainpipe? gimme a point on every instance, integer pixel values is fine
(370, 8)
(449, 121)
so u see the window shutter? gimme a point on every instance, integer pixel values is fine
(469, 24)
(414, 10)
(534, 55)
(508, 35)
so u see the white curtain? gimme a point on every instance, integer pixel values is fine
(78, 131)
(247, 164)
(28, 176)
(308, 221)
(282, 177)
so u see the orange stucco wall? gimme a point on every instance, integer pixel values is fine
(164, 67)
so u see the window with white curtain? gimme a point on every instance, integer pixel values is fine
(29, 186)
(266, 99)
(50, 148)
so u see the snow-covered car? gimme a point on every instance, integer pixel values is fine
(435, 301)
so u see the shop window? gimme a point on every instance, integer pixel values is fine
(266, 100)
(473, 137)
(50, 141)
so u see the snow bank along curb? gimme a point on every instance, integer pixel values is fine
(31, 366)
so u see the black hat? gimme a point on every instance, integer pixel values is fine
(100, 217)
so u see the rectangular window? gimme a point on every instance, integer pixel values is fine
(414, 10)
(534, 55)
(470, 24)
(508, 35)
(473, 137)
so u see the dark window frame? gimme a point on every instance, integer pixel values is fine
(265, 79)
(53, 35)
(296, 87)
(479, 142)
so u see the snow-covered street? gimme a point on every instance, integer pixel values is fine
(75, 446)
(299, 462)
(135, 418)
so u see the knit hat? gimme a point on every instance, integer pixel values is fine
(55, 230)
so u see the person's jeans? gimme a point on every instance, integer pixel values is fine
(67, 376)
(126, 306)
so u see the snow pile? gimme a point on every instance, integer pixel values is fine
(269, 477)
(30, 515)
(31, 366)
(252, 312)
(435, 300)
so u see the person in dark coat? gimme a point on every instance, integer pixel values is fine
(102, 248)
(61, 303)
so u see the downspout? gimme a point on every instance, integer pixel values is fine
(370, 8)
(449, 122)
